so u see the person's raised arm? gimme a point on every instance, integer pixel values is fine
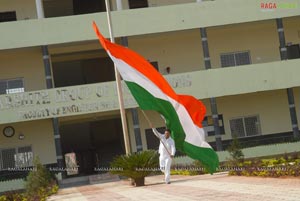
(158, 134)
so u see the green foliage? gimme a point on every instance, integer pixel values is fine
(41, 194)
(40, 183)
(183, 172)
(286, 165)
(235, 150)
(135, 165)
(196, 168)
(13, 196)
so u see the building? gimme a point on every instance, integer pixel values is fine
(241, 58)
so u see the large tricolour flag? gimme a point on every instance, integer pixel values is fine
(183, 114)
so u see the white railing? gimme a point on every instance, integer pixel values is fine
(10, 185)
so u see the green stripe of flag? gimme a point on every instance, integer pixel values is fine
(147, 101)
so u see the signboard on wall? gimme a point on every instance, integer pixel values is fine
(60, 102)
(68, 101)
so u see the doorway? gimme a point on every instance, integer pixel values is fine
(95, 144)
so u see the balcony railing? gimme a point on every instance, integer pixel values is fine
(133, 22)
(101, 97)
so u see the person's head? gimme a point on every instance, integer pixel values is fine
(167, 133)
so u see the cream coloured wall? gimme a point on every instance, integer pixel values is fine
(260, 38)
(26, 63)
(135, 22)
(180, 50)
(153, 3)
(271, 106)
(25, 9)
(38, 134)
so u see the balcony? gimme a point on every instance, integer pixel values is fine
(101, 97)
(78, 28)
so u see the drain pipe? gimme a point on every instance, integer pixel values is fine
(49, 84)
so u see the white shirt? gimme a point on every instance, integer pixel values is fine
(169, 144)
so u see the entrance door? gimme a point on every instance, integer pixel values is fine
(93, 143)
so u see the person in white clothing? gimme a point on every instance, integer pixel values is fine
(166, 152)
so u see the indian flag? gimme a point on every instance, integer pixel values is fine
(183, 114)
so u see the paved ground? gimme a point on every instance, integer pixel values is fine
(217, 187)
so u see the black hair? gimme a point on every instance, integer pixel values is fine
(168, 130)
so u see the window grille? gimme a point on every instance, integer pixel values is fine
(8, 16)
(237, 127)
(8, 158)
(235, 59)
(245, 126)
(252, 125)
(24, 157)
(138, 4)
(16, 157)
(11, 86)
(227, 60)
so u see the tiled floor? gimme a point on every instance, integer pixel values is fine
(217, 187)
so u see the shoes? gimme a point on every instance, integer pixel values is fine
(168, 182)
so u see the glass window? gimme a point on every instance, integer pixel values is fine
(138, 4)
(227, 60)
(11, 86)
(235, 59)
(245, 126)
(8, 16)
(16, 157)
(8, 158)
(24, 157)
(237, 127)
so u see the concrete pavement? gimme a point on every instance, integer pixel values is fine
(217, 187)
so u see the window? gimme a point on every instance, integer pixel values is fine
(8, 16)
(16, 157)
(11, 86)
(152, 140)
(138, 4)
(245, 126)
(154, 64)
(235, 59)
(87, 6)
(208, 125)
(293, 51)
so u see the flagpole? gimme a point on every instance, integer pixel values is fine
(118, 82)
(150, 124)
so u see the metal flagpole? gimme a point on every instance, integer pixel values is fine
(118, 81)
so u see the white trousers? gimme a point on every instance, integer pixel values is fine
(165, 167)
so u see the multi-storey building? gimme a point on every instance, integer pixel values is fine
(58, 94)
